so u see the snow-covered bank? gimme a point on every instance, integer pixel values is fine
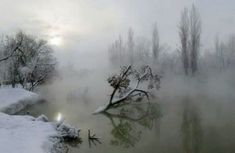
(24, 134)
(13, 100)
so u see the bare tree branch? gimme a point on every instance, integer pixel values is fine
(123, 91)
(13, 52)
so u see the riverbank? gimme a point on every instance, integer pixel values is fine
(26, 134)
(12, 100)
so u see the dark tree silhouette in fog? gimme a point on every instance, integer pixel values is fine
(155, 43)
(190, 33)
(195, 36)
(184, 36)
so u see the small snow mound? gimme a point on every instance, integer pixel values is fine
(42, 118)
(13, 100)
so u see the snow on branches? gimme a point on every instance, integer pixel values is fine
(129, 84)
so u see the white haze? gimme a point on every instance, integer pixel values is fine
(88, 27)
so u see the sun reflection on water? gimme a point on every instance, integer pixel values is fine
(59, 117)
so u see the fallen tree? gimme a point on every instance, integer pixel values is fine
(123, 88)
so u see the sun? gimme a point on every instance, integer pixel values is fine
(55, 37)
(55, 40)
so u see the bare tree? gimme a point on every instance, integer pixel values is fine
(122, 89)
(195, 34)
(116, 52)
(16, 48)
(230, 46)
(184, 36)
(130, 45)
(142, 52)
(155, 43)
(190, 33)
(11, 56)
(220, 54)
(30, 60)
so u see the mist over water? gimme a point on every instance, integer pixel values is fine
(181, 120)
(194, 109)
(189, 114)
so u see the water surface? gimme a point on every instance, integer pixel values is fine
(185, 124)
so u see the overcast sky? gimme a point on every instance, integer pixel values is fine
(90, 25)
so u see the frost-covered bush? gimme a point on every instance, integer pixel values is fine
(67, 132)
(29, 61)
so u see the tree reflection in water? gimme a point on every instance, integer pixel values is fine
(129, 121)
(191, 128)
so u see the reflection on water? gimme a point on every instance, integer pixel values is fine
(184, 124)
(124, 123)
(191, 128)
(59, 117)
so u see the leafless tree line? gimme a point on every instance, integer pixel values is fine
(187, 58)
(135, 50)
(25, 60)
(155, 54)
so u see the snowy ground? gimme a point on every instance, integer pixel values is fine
(26, 134)
(13, 100)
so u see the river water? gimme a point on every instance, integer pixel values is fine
(185, 124)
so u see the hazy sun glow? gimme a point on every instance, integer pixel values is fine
(55, 37)
(55, 40)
